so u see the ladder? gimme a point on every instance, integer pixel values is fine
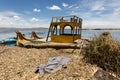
(49, 31)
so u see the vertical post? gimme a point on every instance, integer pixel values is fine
(49, 31)
(75, 29)
(73, 32)
(79, 30)
(60, 31)
(56, 29)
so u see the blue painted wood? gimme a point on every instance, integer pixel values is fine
(8, 40)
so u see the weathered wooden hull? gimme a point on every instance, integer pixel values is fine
(51, 45)
(24, 42)
(35, 36)
(22, 39)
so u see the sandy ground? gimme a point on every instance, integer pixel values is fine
(19, 63)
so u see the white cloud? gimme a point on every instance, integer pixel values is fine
(16, 17)
(94, 23)
(13, 19)
(104, 21)
(113, 3)
(72, 13)
(77, 7)
(116, 11)
(97, 7)
(97, 13)
(36, 10)
(9, 13)
(64, 4)
(9, 18)
(92, 5)
(34, 19)
(54, 7)
(70, 6)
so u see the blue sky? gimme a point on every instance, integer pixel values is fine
(38, 13)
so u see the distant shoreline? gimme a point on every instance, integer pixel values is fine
(14, 29)
(101, 29)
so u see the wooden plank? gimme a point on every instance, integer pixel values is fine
(52, 45)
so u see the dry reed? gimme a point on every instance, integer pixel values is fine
(105, 52)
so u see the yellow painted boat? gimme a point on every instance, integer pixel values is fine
(60, 36)
(65, 29)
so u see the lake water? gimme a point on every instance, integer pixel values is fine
(92, 33)
(43, 32)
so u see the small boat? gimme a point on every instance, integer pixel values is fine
(8, 41)
(21, 39)
(35, 36)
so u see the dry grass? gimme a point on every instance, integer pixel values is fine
(105, 52)
(18, 64)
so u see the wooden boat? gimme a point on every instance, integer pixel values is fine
(59, 39)
(59, 25)
(21, 39)
(8, 41)
(35, 36)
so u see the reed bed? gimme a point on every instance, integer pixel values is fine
(105, 52)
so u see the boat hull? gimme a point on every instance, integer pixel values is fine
(8, 41)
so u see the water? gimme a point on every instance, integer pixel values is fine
(4, 35)
(92, 33)
(43, 32)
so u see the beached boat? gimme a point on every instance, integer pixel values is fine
(21, 39)
(35, 36)
(8, 41)
(56, 33)
(65, 29)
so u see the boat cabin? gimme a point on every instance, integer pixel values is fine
(65, 29)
